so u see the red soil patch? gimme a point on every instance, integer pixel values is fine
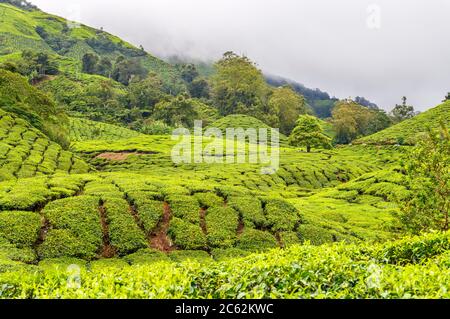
(159, 240)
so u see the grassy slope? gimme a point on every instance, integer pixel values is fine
(410, 130)
(18, 32)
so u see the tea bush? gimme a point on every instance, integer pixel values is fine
(250, 209)
(209, 199)
(256, 240)
(150, 212)
(80, 218)
(124, 233)
(222, 224)
(281, 216)
(20, 228)
(185, 207)
(186, 235)
(302, 272)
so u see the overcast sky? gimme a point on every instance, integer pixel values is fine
(380, 49)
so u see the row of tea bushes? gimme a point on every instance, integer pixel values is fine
(412, 268)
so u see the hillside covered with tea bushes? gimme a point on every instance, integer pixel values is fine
(410, 131)
(89, 182)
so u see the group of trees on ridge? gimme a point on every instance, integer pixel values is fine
(124, 92)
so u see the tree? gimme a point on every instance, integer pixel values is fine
(309, 133)
(104, 67)
(447, 98)
(402, 112)
(428, 180)
(146, 93)
(287, 105)
(379, 121)
(238, 82)
(189, 72)
(126, 69)
(199, 88)
(350, 120)
(89, 61)
(364, 102)
(177, 111)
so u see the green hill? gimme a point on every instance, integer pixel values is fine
(32, 29)
(86, 130)
(29, 103)
(409, 131)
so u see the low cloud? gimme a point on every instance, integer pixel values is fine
(381, 50)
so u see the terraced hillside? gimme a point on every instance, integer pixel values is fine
(26, 152)
(409, 131)
(141, 206)
(86, 130)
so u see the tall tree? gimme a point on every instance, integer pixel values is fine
(146, 93)
(287, 105)
(309, 133)
(89, 61)
(402, 112)
(350, 120)
(104, 67)
(177, 111)
(126, 69)
(238, 83)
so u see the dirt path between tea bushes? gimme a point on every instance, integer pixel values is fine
(108, 251)
(160, 240)
(203, 221)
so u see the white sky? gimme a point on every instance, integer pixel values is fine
(343, 47)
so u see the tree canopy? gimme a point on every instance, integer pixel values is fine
(238, 83)
(402, 112)
(309, 133)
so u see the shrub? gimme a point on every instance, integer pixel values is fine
(229, 253)
(222, 224)
(281, 216)
(124, 233)
(250, 209)
(112, 263)
(80, 215)
(192, 255)
(146, 256)
(186, 235)
(185, 207)
(63, 243)
(314, 234)
(207, 200)
(289, 238)
(256, 240)
(150, 213)
(20, 228)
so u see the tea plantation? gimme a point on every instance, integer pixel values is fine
(117, 206)
(96, 210)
